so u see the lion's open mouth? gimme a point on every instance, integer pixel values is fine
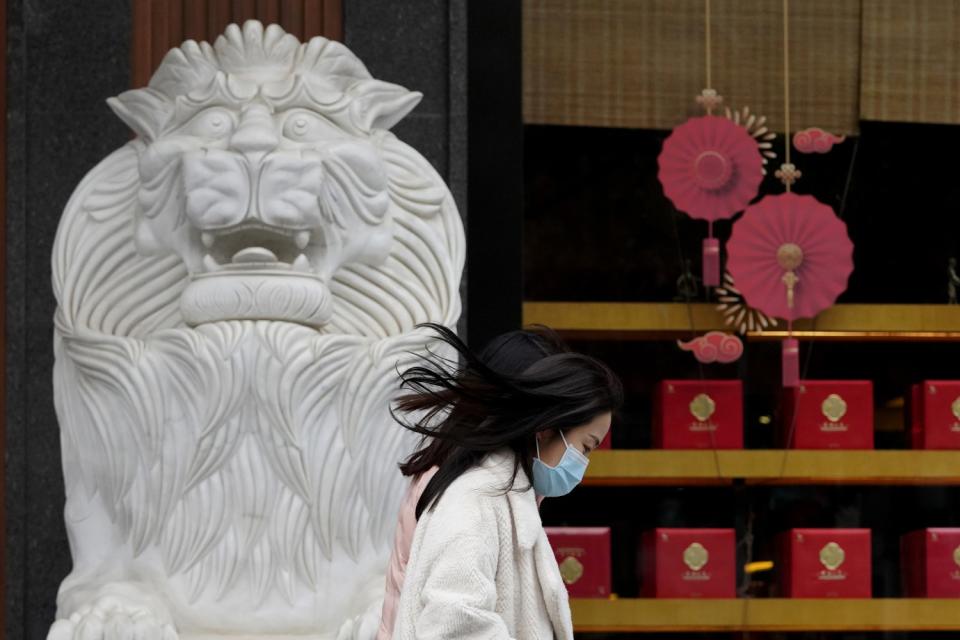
(255, 246)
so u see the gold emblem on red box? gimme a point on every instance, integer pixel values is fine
(955, 408)
(956, 556)
(702, 407)
(834, 407)
(571, 570)
(832, 556)
(696, 556)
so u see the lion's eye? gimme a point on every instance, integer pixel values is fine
(303, 126)
(211, 123)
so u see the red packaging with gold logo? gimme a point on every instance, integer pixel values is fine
(930, 563)
(935, 414)
(688, 563)
(828, 414)
(583, 554)
(698, 414)
(825, 563)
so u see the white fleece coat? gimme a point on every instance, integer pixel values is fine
(481, 566)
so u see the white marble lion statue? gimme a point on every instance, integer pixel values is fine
(237, 288)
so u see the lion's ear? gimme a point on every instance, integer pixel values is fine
(143, 110)
(380, 105)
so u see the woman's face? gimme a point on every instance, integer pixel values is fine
(584, 438)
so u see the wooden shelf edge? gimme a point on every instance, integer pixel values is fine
(651, 467)
(631, 320)
(767, 614)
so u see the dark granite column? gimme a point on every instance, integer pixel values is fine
(64, 59)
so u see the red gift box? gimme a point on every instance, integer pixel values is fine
(930, 563)
(828, 414)
(698, 414)
(688, 563)
(826, 563)
(583, 554)
(935, 414)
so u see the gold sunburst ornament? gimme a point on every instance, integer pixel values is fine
(757, 128)
(735, 311)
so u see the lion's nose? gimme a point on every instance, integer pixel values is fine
(256, 131)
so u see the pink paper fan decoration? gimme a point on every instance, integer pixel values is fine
(710, 168)
(784, 234)
(791, 257)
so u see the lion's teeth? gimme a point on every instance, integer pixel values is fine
(254, 254)
(301, 263)
(207, 239)
(302, 238)
(210, 264)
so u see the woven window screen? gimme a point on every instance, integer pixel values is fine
(160, 25)
(640, 63)
(911, 61)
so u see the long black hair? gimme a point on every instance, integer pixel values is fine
(521, 383)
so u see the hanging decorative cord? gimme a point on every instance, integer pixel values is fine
(707, 47)
(709, 99)
(786, 83)
(788, 173)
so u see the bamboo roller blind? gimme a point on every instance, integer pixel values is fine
(160, 25)
(639, 63)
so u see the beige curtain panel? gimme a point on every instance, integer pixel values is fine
(640, 63)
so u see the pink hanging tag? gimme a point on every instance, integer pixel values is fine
(791, 363)
(711, 262)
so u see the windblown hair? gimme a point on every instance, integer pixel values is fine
(522, 383)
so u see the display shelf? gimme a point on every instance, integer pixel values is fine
(632, 320)
(638, 467)
(767, 614)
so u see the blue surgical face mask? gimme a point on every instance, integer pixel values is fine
(560, 480)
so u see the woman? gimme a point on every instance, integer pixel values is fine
(505, 428)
